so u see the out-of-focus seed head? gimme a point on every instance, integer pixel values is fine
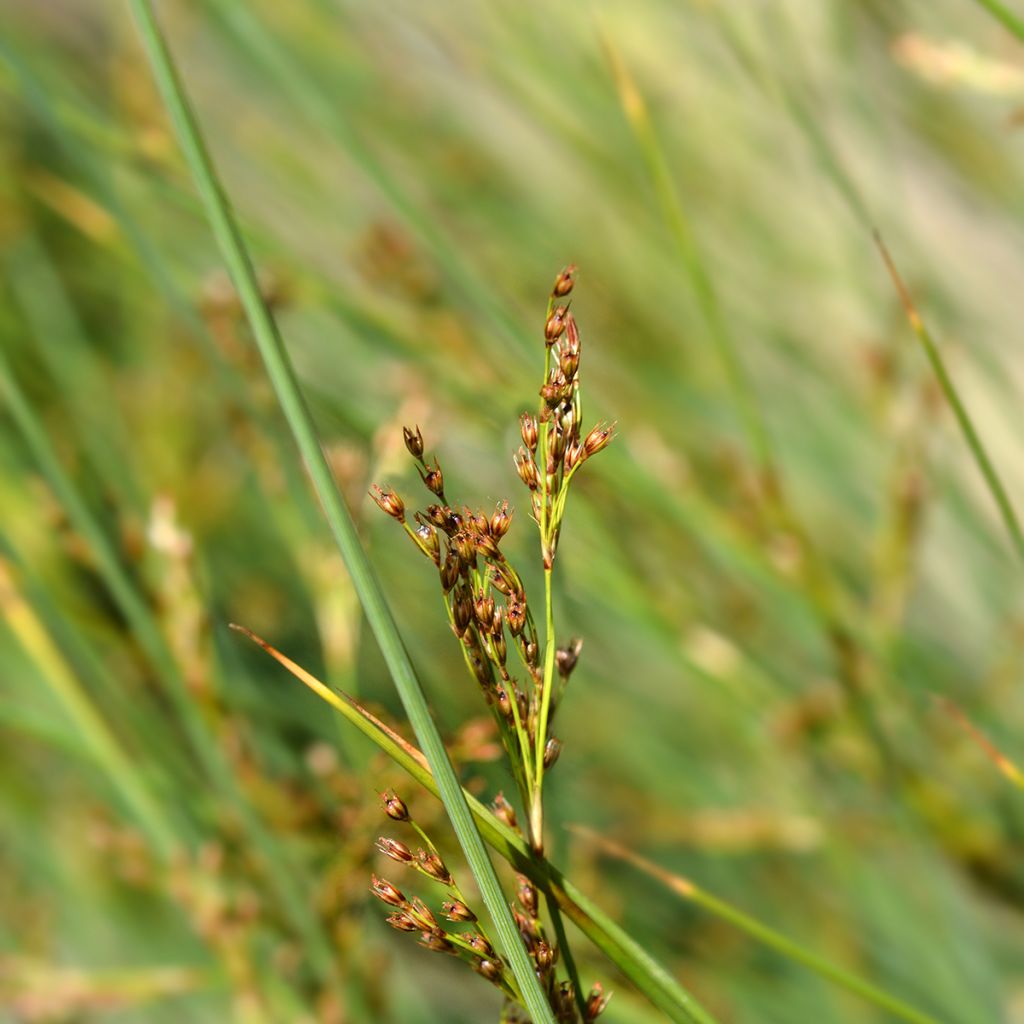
(450, 569)
(555, 324)
(596, 1002)
(413, 441)
(384, 890)
(526, 893)
(526, 468)
(564, 282)
(530, 652)
(528, 430)
(500, 521)
(433, 478)
(552, 749)
(389, 502)
(489, 969)
(403, 922)
(435, 942)
(505, 811)
(456, 910)
(567, 657)
(394, 849)
(394, 806)
(422, 915)
(599, 438)
(430, 864)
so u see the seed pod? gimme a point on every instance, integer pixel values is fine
(515, 616)
(504, 702)
(552, 749)
(421, 913)
(504, 811)
(489, 969)
(499, 647)
(569, 363)
(388, 502)
(528, 429)
(394, 849)
(413, 441)
(465, 548)
(500, 521)
(450, 569)
(597, 439)
(403, 922)
(556, 391)
(544, 955)
(564, 282)
(384, 890)
(456, 910)
(430, 864)
(483, 609)
(526, 893)
(573, 453)
(566, 657)
(555, 324)
(394, 806)
(596, 1002)
(436, 942)
(527, 469)
(462, 613)
(433, 478)
(479, 944)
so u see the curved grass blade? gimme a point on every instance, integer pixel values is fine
(686, 889)
(1006, 767)
(378, 614)
(963, 418)
(643, 970)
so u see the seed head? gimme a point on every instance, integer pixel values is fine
(599, 438)
(414, 442)
(555, 325)
(427, 536)
(436, 942)
(422, 915)
(564, 282)
(526, 893)
(528, 429)
(596, 1002)
(552, 749)
(483, 609)
(526, 468)
(566, 657)
(403, 922)
(500, 521)
(384, 890)
(504, 811)
(456, 910)
(394, 806)
(544, 955)
(394, 849)
(489, 969)
(388, 502)
(462, 613)
(465, 547)
(450, 569)
(480, 945)
(429, 863)
(433, 478)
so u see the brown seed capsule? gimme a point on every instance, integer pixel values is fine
(564, 282)
(433, 478)
(483, 609)
(465, 548)
(596, 1002)
(413, 441)
(435, 942)
(421, 913)
(504, 702)
(552, 749)
(456, 910)
(394, 806)
(499, 647)
(480, 945)
(556, 390)
(450, 570)
(389, 502)
(500, 521)
(555, 324)
(566, 657)
(394, 849)
(573, 453)
(430, 864)
(528, 429)
(527, 895)
(527, 469)
(462, 613)
(515, 616)
(597, 439)
(384, 890)
(427, 536)
(489, 969)
(544, 955)
(504, 811)
(403, 922)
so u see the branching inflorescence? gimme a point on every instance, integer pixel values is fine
(487, 607)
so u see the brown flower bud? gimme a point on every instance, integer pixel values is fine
(555, 324)
(596, 1002)
(544, 955)
(526, 893)
(564, 282)
(465, 547)
(527, 469)
(566, 657)
(403, 922)
(433, 478)
(456, 910)
(480, 945)
(552, 749)
(504, 702)
(435, 942)
(384, 890)
(413, 441)
(394, 806)
(389, 502)
(598, 438)
(569, 363)
(573, 453)
(500, 521)
(430, 864)
(528, 428)
(557, 390)
(483, 609)
(450, 570)
(504, 811)
(462, 613)
(516, 616)
(394, 849)
(422, 915)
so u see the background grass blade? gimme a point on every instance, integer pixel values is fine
(377, 612)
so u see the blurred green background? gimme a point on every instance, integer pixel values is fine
(186, 834)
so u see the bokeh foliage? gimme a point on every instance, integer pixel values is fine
(410, 177)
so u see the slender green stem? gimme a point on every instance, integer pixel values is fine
(1010, 21)
(282, 376)
(545, 709)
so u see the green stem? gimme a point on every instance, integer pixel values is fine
(378, 614)
(545, 710)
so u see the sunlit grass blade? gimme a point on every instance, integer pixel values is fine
(378, 614)
(692, 893)
(1007, 767)
(647, 974)
(963, 418)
